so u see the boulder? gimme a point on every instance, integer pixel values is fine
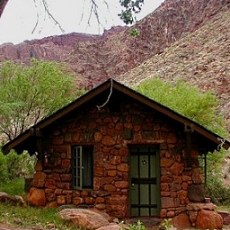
(207, 219)
(15, 200)
(226, 217)
(181, 221)
(36, 197)
(84, 218)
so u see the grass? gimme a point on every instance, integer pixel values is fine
(25, 217)
(225, 208)
(37, 218)
(15, 187)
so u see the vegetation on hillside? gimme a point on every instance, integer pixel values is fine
(187, 100)
(199, 57)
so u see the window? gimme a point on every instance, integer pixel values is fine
(83, 167)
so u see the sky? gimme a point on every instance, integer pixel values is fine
(19, 18)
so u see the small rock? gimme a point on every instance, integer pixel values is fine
(115, 220)
(15, 200)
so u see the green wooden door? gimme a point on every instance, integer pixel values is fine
(144, 181)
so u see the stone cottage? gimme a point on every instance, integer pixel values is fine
(118, 151)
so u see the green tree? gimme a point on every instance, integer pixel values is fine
(131, 7)
(29, 93)
(201, 107)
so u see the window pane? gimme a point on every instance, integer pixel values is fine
(87, 167)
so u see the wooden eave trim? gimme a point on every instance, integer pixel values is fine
(127, 91)
(18, 140)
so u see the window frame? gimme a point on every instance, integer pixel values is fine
(78, 166)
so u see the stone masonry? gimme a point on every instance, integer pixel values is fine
(111, 131)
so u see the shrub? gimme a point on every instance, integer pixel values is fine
(215, 188)
(4, 176)
(138, 226)
(13, 166)
(13, 187)
(134, 32)
(19, 165)
(166, 224)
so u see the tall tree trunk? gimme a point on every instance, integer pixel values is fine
(2, 6)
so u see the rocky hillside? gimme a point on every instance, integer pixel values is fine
(180, 39)
(95, 58)
(201, 58)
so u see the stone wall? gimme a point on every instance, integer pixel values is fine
(110, 133)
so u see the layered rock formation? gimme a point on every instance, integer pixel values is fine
(94, 58)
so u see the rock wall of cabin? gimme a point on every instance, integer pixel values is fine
(110, 133)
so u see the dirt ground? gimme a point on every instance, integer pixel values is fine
(8, 227)
(155, 227)
(11, 227)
